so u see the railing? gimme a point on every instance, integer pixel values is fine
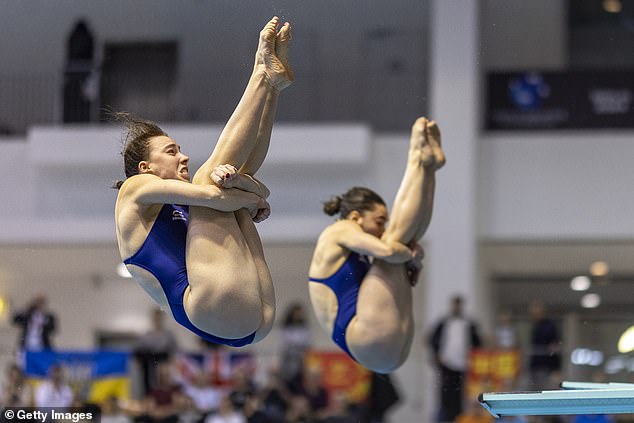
(28, 99)
(386, 102)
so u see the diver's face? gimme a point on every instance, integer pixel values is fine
(166, 160)
(373, 221)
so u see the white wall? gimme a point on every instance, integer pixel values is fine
(517, 34)
(34, 31)
(557, 185)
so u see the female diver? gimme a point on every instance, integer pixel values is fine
(193, 246)
(361, 274)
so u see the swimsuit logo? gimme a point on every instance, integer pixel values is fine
(178, 215)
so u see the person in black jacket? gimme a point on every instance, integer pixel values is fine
(37, 325)
(545, 351)
(451, 341)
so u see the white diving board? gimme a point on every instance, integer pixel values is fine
(574, 398)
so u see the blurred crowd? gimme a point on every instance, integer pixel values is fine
(292, 390)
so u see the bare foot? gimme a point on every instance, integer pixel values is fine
(282, 41)
(266, 56)
(419, 143)
(433, 137)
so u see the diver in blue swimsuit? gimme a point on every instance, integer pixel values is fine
(362, 273)
(163, 255)
(345, 283)
(193, 246)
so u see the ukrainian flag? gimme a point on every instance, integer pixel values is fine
(93, 375)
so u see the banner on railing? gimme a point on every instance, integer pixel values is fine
(492, 370)
(341, 374)
(94, 376)
(220, 365)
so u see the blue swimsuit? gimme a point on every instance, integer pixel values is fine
(163, 255)
(345, 283)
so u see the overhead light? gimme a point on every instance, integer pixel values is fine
(612, 6)
(614, 365)
(590, 301)
(123, 271)
(626, 341)
(599, 269)
(584, 356)
(580, 283)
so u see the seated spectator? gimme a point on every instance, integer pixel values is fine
(299, 410)
(205, 397)
(54, 392)
(111, 412)
(338, 410)
(242, 388)
(255, 413)
(16, 391)
(165, 399)
(313, 389)
(226, 413)
(275, 396)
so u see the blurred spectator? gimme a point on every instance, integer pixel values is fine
(545, 351)
(37, 324)
(381, 397)
(16, 391)
(226, 413)
(299, 410)
(165, 397)
(112, 413)
(505, 333)
(54, 392)
(339, 410)
(275, 396)
(77, 74)
(255, 413)
(451, 341)
(154, 347)
(296, 339)
(313, 389)
(205, 397)
(243, 388)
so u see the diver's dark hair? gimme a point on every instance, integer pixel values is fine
(135, 141)
(356, 198)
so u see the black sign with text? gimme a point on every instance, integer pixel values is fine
(559, 100)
